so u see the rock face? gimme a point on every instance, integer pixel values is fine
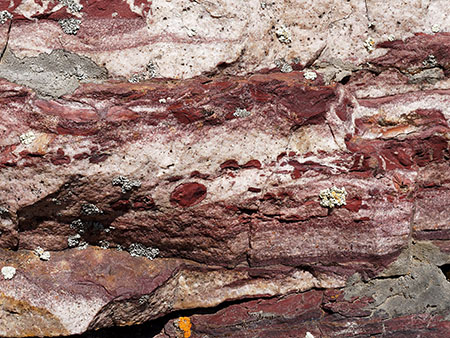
(224, 168)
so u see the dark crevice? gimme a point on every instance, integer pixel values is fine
(151, 328)
(7, 40)
(247, 211)
(345, 80)
(446, 270)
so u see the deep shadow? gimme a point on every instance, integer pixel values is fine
(446, 270)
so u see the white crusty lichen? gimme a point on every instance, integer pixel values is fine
(104, 244)
(42, 254)
(70, 26)
(90, 209)
(140, 250)
(430, 61)
(144, 299)
(72, 5)
(4, 16)
(151, 71)
(125, 183)
(73, 241)
(283, 66)
(8, 272)
(241, 113)
(435, 28)
(82, 245)
(283, 34)
(27, 138)
(369, 44)
(78, 225)
(310, 75)
(333, 197)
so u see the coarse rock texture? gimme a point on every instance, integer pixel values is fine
(168, 157)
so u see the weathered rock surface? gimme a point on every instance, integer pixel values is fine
(168, 157)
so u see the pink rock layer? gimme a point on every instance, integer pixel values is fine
(215, 179)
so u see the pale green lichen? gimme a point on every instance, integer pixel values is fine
(42, 254)
(283, 66)
(369, 44)
(333, 197)
(283, 34)
(310, 75)
(8, 272)
(27, 138)
(241, 113)
(435, 28)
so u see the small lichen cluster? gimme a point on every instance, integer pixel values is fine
(74, 241)
(125, 183)
(4, 16)
(82, 226)
(430, 61)
(435, 28)
(42, 254)
(27, 138)
(283, 34)
(241, 113)
(310, 75)
(333, 197)
(140, 250)
(185, 325)
(70, 26)
(369, 44)
(4, 211)
(90, 209)
(283, 66)
(78, 226)
(71, 5)
(144, 299)
(8, 272)
(104, 244)
(151, 71)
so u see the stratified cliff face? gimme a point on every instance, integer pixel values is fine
(225, 168)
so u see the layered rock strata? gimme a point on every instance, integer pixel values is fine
(216, 169)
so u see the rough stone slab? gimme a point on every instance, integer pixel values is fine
(203, 137)
(188, 38)
(85, 289)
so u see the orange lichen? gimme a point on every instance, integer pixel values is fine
(184, 323)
